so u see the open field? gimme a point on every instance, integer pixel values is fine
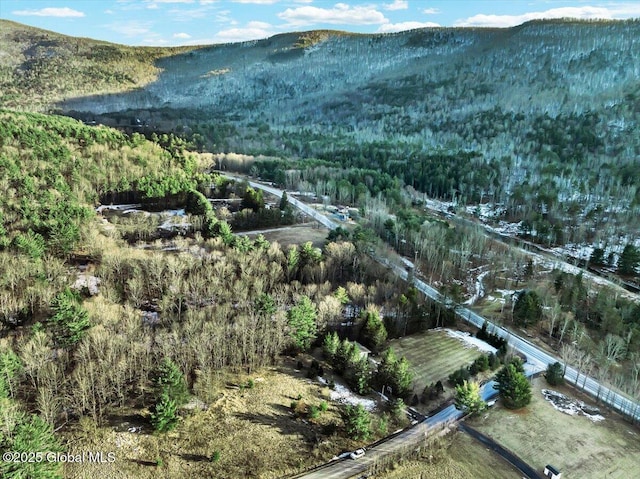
(253, 430)
(296, 234)
(456, 456)
(433, 355)
(578, 447)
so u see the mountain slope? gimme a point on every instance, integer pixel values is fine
(541, 118)
(39, 67)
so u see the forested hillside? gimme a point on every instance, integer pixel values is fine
(95, 323)
(538, 118)
(39, 67)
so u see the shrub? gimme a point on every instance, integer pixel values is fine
(554, 374)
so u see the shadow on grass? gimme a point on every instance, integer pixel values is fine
(285, 423)
(140, 462)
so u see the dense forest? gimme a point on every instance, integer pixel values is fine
(535, 120)
(93, 320)
(99, 313)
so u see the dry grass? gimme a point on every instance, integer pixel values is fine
(541, 435)
(296, 234)
(459, 457)
(253, 430)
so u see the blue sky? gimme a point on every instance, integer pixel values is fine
(183, 22)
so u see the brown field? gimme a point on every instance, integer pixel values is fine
(579, 448)
(296, 234)
(458, 457)
(253, 430)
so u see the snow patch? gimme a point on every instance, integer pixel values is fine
(87, 281)
(479, 294)
(470, 341)
(570, 406)
(343, 395)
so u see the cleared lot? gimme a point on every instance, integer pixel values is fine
(578, 447)
(434, 355)
(456, 456)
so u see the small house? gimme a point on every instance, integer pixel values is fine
(362, 350)
(551, 472)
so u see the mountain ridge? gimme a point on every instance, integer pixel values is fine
(550, 108)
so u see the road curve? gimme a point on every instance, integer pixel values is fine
(306, 209)
(537, 360)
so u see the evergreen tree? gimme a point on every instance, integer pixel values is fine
(514, 386)
(395, 373)
(597, 257)
(359, 376)
(302, 322)
(357, 422)
(23, 433)
(554, 374)
(170, 380)
(341, 295)
(527, 309)
(330, 346)
(468, 398)
(165, 414)
(284, 202)
(373, 334)
(70, 320)
(629, 260)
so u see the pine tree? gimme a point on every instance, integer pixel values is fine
(468, 398)
(302, 322)
(357, 422)
(629, 260)
(514, 386)
(330, 346)
(554, 374)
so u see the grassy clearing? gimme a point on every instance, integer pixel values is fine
(433, 355)
(252, 430)
(541, 435)
(296, 234)
(456, 456)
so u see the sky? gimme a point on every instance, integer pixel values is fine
(199, 22)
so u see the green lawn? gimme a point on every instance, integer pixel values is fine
(433, 355)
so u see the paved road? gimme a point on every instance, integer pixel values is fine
(536, 360)
(308, 210)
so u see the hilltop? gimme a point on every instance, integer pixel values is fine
(539, 118)
(40, 67)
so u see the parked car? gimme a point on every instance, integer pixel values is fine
(357, 454)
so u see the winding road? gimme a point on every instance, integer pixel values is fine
(537, 360)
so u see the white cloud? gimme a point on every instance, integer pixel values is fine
(586, 12)
(252, 31)
(340, 14)
(65, 12)
(430, 11)
(180, 15)
(169, 1)
(257, 2)
(402, 26)
(131, 28)
(109, 12)
(182, 35)
(396, 5)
